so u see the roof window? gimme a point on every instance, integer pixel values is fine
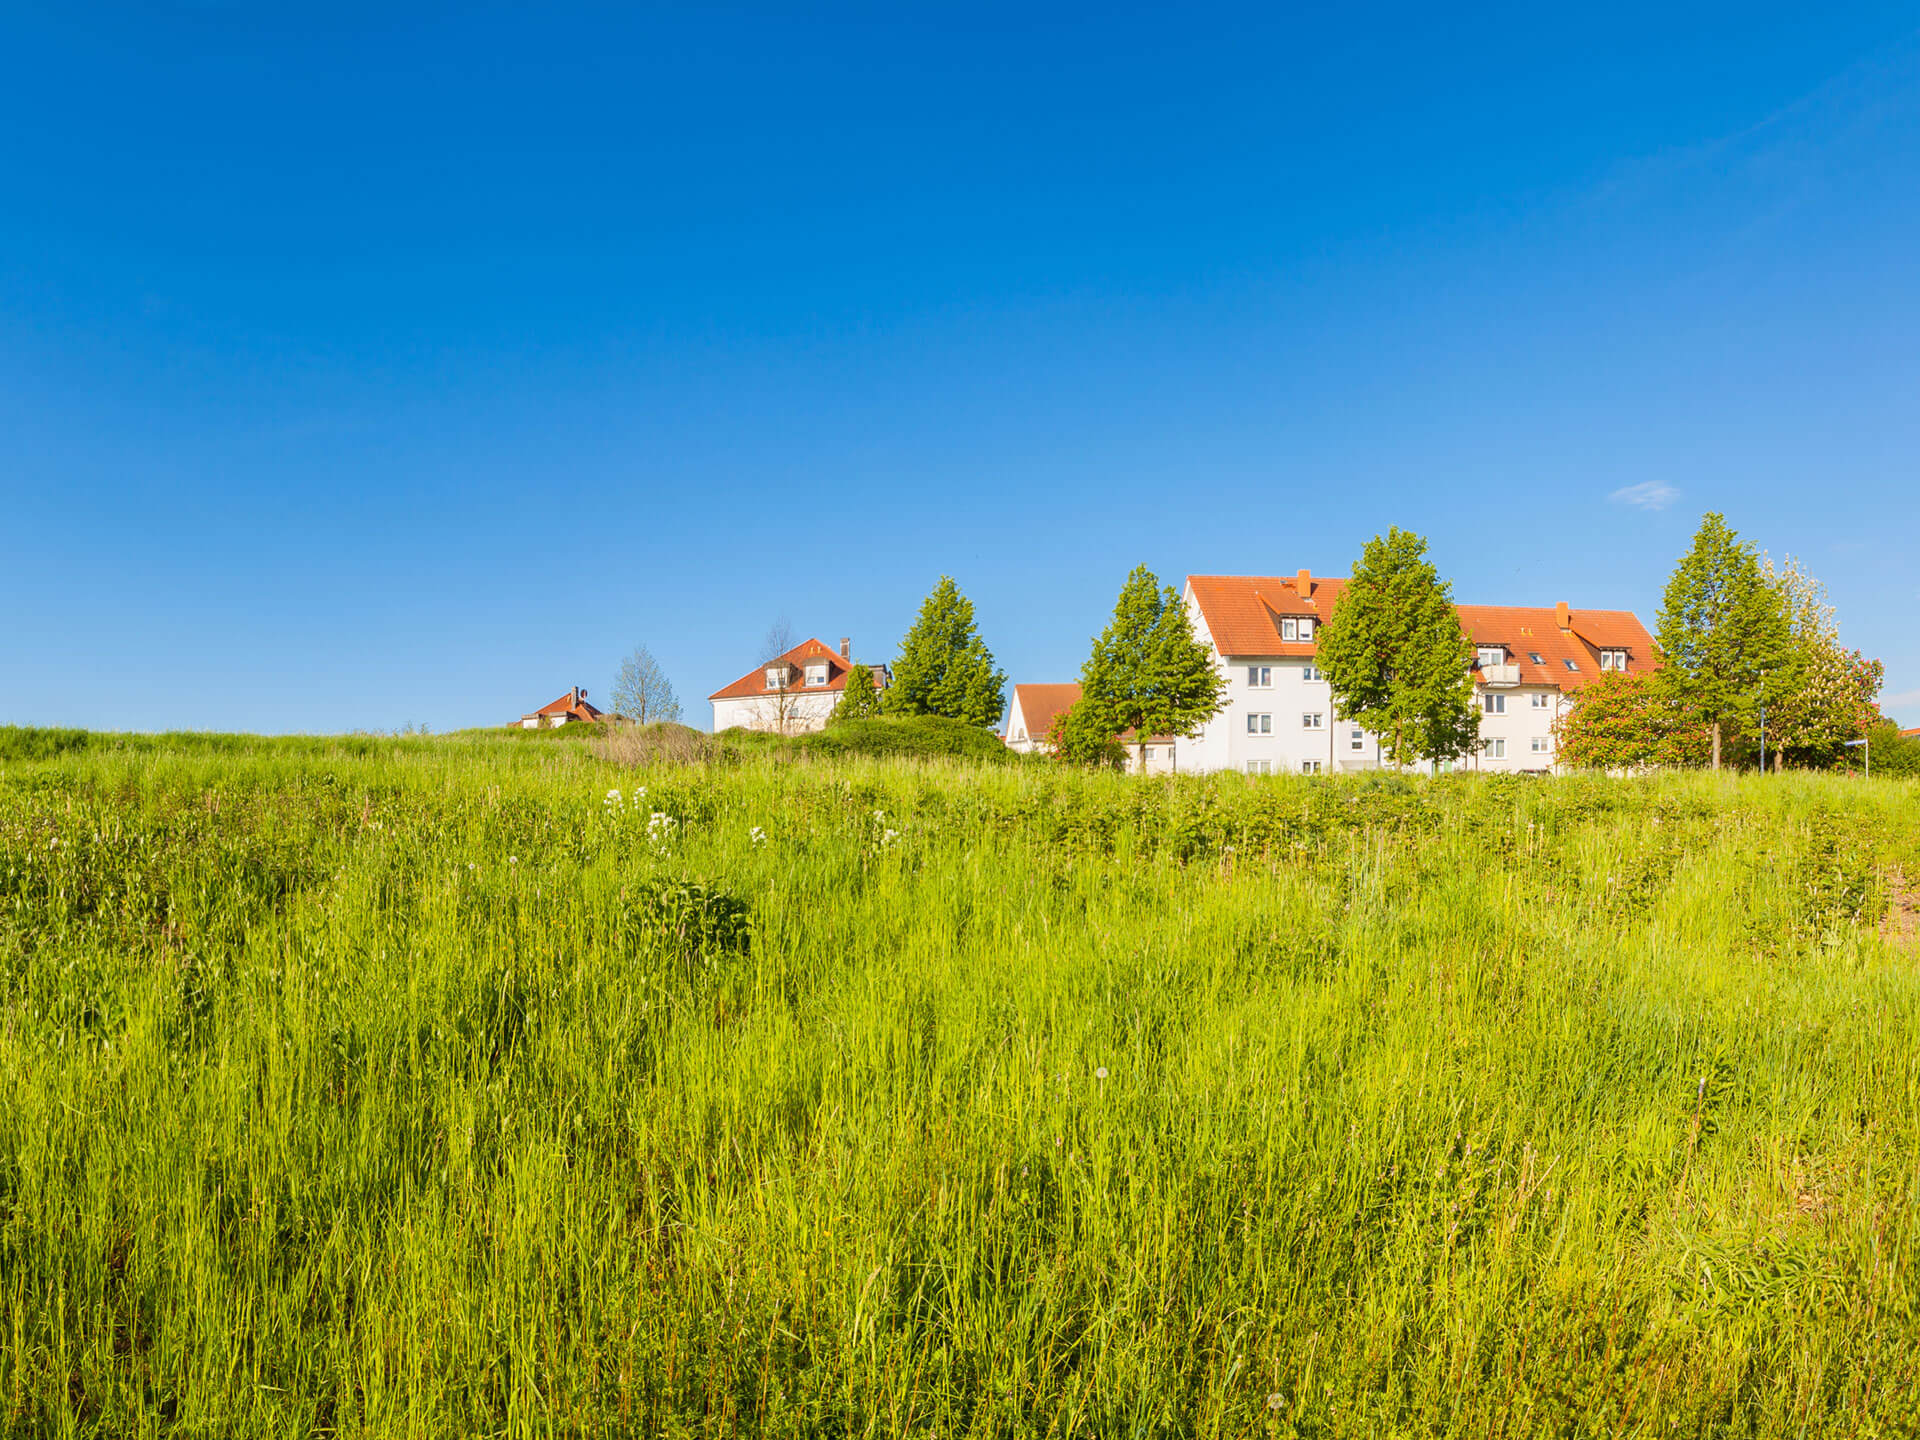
(1573, 665)
(1534, 656)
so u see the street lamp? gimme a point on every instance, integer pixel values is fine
(1864, 741)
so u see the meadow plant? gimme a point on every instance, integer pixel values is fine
(465, 1086)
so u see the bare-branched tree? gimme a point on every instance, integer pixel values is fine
(641, 692)
(775, 711)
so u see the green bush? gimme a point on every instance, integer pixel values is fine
(27, 742)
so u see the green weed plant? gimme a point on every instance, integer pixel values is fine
(463, 1086)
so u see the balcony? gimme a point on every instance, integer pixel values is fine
(1499, 676)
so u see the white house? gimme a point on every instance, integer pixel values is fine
(791, 694)
(1279, 716)
(1035, 707)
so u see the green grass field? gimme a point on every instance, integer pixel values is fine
(419, 1087)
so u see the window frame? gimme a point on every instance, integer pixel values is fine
(1259, 722)
(1259, 677)
(1313, 720)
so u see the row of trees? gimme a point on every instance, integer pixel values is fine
(1743, 644)
(1393, 656)
(1750, 657)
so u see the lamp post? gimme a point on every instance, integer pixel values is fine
(1763, 722)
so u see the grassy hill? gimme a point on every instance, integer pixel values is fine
(466, 1085)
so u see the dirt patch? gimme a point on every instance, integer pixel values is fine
(1902, 922)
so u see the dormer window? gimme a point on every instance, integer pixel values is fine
(1492, 655)
(776, 676)
(817, 674)
(1296, 628)
(1613, 660)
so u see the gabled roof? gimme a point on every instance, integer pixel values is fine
(1527, 631)
(1039, 705)
(754, 682)
(1911, 734)
(573, 703)
(1243, 614)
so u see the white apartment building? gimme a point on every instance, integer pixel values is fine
(791, 694)
(1279, 717)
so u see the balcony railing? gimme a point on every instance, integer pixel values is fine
(1499, 675)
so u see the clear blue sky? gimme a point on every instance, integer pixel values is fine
(359, 370)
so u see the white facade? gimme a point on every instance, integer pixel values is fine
(792, 712)
(1278, 717)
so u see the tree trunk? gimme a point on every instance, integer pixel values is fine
(1716, 745)
(1779, 762)
(1141, 746)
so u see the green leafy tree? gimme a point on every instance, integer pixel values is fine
(1823, 696)
(944, 667)
(1628, 721)
(1078, 737)
(1147, 673)
(860, 700)
(1722, 628)
(1395, 657)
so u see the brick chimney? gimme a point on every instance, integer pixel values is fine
(1563, 617)
(1303, 582)
(846, 647)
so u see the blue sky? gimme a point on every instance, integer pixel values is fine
(363, 366)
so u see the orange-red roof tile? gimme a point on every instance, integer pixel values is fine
(754, 682)
(1243, 614)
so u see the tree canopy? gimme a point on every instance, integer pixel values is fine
(860, 700)
(1146, 674)
(944, 667)
(1823, 696)
(1628, 722)
(1395, 657)
(1722, 627)
(641, 691)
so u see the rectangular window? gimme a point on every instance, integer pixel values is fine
(1306, 629)
(1539, 699)
(1313, 720)
(1259, 724)
(1495, 704)
(1146, 752)
(1358, 740)
(1259, 767)
(1541, 744)
(1310, 767)
(1289, 630)
(1494, 749)
(1259, 676)
(816, 675)
(1492, 655)
(773, 679)
(1308, 672)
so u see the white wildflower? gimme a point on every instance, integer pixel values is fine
(1101, 1073)
(513, 859)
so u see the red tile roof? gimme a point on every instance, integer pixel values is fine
(1040, 706)
(754, 682)
(1242, 614)
(573, 703)
(1910, 734)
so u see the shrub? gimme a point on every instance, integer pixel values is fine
(661, 743)
(26, 742)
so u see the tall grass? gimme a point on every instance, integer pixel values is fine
(419, 1088)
